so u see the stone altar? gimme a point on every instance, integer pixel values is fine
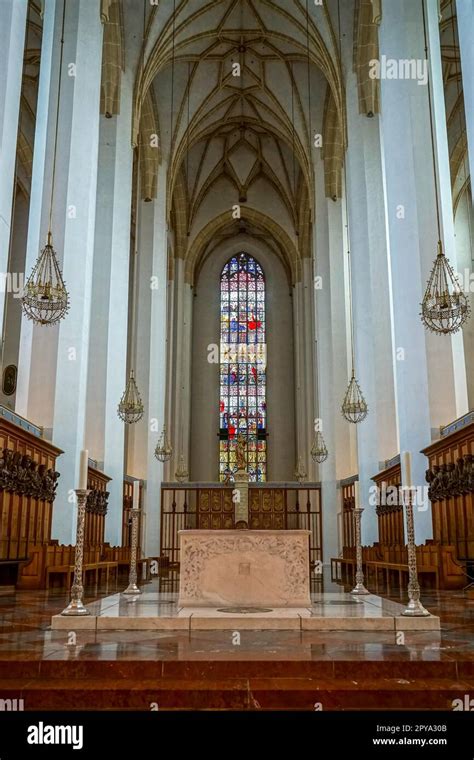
(250, 568)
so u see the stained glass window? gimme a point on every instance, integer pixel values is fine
(243, 408)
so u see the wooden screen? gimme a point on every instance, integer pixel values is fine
(450, 476)
(96, 508)
(27, 484)
(390, 515)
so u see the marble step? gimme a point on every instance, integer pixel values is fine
(230, 667)
(237, 693)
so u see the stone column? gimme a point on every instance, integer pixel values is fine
(181, 385)
(12, 41)
(107, 373)
(465, 18)
(301, 412)
(371, 298)
(59, 355)
(465, 211)
(430, 388)
(149, 356)
(332, 331)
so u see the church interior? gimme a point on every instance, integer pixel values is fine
(237, 356)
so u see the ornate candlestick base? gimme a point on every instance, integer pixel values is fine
(76, 606)
(359, 588)
(414, 607)
(132, 588)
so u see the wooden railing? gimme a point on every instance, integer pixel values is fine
(290, 506)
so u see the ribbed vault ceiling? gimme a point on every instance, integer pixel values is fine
(239, 139)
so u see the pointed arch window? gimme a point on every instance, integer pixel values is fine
(243, 405)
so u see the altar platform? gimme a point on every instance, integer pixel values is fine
(161, 611)
(106, 669)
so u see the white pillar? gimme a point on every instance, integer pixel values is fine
(310, 380)
(12, 41)
(107, 372)
(59, 355)
(465, 18)
(179, 419)
(332, 329)
(428, 391)
(372, 313)
(149, 352)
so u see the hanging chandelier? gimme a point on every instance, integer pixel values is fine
(445, 308)
(130, 409)
(182, 473)
(354, 407)
(163, 449)
(45, 299)
(300, 472)
(319, 452)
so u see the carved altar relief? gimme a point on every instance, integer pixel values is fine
(276, 565)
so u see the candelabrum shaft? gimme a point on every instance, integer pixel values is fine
(359, 587)
(132, 587)
(414, 607)
(76, 606)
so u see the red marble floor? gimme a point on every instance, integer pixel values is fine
(308, 670)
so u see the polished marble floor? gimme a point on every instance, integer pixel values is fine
(25, 629)
(231, 669)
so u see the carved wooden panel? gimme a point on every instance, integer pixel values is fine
(390, 513)
(215, 508)
(126, 516)
(28, 481)
(96, 507)
(348, 504)
(450, 477)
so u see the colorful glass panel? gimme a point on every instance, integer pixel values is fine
(242, 405)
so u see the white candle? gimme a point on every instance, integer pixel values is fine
(83, 467)
(136, 494)
(406, 459)
(356, 494)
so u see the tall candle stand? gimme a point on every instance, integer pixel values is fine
(76, 606)
(132, 588)
(359, 588)
(415, 607)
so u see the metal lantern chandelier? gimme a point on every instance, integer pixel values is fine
(130, 409)
(354, 407)
(45, 299)
(445, 308)
(319, 452)
(182, 473)
(164, 450)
